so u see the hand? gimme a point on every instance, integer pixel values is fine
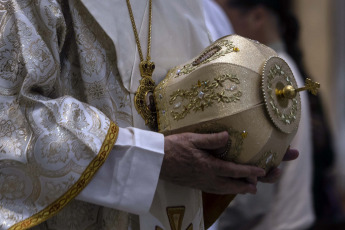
(188, 161)
(274, 174)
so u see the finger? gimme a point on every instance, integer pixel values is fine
(235, 186)
(291, 154)
(230, 169)
(272, 176)
(252, 180)
(210, 141)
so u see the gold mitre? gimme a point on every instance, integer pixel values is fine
(239, 85)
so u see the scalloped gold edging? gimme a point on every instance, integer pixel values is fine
(82, 182)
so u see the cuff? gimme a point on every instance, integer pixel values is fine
(128, 179)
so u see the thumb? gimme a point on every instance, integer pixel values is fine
(210, 141)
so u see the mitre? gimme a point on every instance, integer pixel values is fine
(238, 85)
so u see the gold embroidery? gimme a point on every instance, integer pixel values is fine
(11, 187)
(206, 55)
(78, 186)
(267, 160)
(203, 94)
(211, 54)
(283, 112)
(60, 68)
(176, 215)
(287, 118)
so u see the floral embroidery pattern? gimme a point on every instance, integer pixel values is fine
(203, 94)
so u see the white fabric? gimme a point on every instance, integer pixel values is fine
(179, 33)
(127, 179)
(216, 20)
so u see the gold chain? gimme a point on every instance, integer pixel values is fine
(136, 33)
(143, 99)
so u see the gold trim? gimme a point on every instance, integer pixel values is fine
(209, 55)
(284, 113)
(144, 102)
(175, 215)
(203, 94)
(84, 179)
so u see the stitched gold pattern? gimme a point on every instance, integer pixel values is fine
(203, 94)
(206, 55)
(60, 87)
(282, 111)
(217, 50)
(175, 215)
(78, 186)
(287, 118)
(267, 160)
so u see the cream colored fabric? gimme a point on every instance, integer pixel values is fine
(286, 205)
(68, 68)
(292, 206)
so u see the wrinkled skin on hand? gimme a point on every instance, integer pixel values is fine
(188, 161)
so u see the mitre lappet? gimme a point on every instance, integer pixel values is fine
(238, 85)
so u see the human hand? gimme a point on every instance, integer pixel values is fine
(274, 174)
(188, 161)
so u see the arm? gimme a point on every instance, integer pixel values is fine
(53, 144)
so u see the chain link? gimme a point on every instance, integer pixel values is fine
(148, 57)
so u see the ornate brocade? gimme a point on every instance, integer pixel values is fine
(203, 94)
(75, 188)
(59, 91)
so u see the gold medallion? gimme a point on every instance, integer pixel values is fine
(144, 99)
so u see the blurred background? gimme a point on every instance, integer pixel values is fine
(322, 24)
(323, 42)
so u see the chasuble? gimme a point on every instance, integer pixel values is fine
(74, 153)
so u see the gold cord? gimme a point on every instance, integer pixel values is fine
(136, 33)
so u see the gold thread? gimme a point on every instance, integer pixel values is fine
(289, 116)
(267, 160)
(175, 216)
(82, 182)
(202, 95)
(210, 55)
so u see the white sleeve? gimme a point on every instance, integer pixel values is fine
(216, 20)
(127, 181)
